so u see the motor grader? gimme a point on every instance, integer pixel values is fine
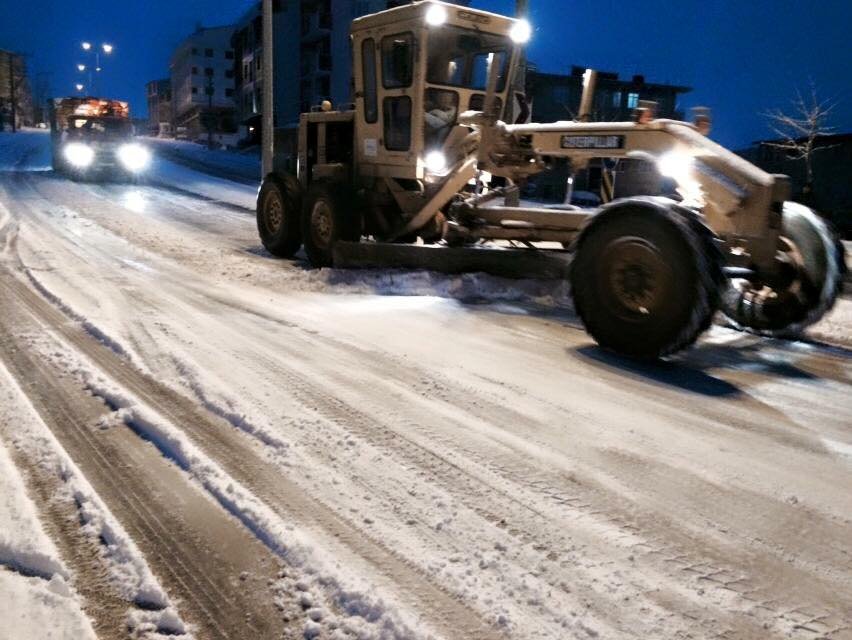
(429, 151)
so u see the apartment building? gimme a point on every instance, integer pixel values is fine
(202, 82)
(159, 94)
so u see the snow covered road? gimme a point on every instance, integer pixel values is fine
(221, 445)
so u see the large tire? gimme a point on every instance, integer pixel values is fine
(330, 213)
(815, 267)
(645, 278)
(278, 213)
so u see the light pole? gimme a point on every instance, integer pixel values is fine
(94, 78)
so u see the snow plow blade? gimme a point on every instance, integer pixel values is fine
(505, 263)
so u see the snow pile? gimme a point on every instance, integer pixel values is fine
(127, 567)
(26, 150)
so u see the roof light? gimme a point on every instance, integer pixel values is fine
(521, 32)
(436, 15)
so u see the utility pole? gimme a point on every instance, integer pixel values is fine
(209, 91)
(13, 91)
(268, 124)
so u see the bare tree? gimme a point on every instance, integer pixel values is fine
(799, 130)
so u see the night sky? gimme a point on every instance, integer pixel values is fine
(742, 57)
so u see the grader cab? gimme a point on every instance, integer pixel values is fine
(426, 153)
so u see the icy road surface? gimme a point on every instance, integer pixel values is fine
(216, 444)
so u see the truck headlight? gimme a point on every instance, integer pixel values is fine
(134, 157)
(79, 155)
(521, 32)
(435, 162)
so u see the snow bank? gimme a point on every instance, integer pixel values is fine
(24, 546)
(127, 567)
(27, 150)
(171, 174)
(31, 608)
(242, 164)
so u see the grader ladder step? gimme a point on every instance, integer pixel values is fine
(506, 263)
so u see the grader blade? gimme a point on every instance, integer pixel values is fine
(505, 263)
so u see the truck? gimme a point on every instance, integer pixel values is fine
(433, 152)
(94, 138)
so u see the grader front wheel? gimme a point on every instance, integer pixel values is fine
(644, 281)
(807, 287)
(331, 213)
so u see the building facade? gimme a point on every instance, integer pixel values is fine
(202, 82)
(831, 191)
(313, 58)
(557, 97)
(160, 116)
(15, 93)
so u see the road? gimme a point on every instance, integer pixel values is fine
(325, 454)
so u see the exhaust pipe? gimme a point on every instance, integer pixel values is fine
(590, 81)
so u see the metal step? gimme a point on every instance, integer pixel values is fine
(506, 263)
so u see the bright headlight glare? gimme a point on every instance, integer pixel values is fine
(134, 157)
(79, 154)
(435, 162)
(521, 32)
(436, 15)
(675, 164)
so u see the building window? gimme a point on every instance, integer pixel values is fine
(195, 51)
(208, 53)
(397, 61)
(229, 73)
(208, 71)
(368, 61)
(632, 100)
(194, 90)
(259, 63)
(616, 99)
(229, 93)
(195, 71)
(229, 55)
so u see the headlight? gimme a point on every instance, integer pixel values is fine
(435, 162)
(134, 157)
(436, 15)
(521, 32)
(79, 155)
(676, 165)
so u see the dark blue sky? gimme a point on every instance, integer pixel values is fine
(741, 56)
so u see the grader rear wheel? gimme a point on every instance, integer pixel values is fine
(278, 211)
(643, 280)
(809, 285)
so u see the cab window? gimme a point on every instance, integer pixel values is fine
(368, 57)
(398, 61)
(397, 111)
(459, 58)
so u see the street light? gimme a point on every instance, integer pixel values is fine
(80, 88)
(107, 50)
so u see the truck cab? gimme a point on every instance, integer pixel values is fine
(95, 138)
